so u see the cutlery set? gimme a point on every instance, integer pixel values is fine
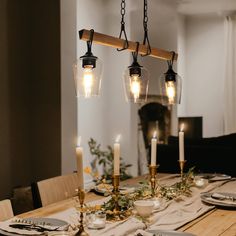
(27, 224)
(35, 227)
(221, 196)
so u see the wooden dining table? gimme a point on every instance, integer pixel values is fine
(216, 222)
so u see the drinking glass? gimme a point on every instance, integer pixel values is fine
(96, 220)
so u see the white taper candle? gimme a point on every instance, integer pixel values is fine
(181, 143)
(154, 149)
(79, 161)
(117, 156)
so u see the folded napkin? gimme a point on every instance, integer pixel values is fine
(5, 226)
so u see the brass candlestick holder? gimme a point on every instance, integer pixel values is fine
(181, 166)
(152, 177)
(81, 195)
(116, 191)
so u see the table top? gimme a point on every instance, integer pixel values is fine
(215, 222)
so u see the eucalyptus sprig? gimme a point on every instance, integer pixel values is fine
(181, 188)
(125, 204)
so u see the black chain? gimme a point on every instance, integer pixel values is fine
(145, 28)
(122, 23)
(122, 11)
(145, 16)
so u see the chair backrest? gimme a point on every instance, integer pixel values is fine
(6, 211)
(57, 188)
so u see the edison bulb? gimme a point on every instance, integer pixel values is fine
(88, 81)
(135, 86)
(170, 91)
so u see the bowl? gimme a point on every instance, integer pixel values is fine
(144, 207)
(200, 182)
(96, 220)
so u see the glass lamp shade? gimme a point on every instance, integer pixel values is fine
(171, 86)
(87, 76)
(136, 80)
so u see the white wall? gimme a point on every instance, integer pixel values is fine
(110, 115)
(91, 117)
(123, 116)
(68, 99)
(181, 63)
(120, 112)
(196, 7)
(204, 71)
(104, 118)
(199, 41)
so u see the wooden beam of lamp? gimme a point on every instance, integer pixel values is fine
(115, 42)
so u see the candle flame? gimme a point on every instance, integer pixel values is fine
(154, 134)
(79, 141)
(118, 138)
(182, 127)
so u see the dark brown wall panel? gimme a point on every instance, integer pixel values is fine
(30, 120)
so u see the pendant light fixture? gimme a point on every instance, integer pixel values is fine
(136, 80)
(88, 69)
(136, 77)
(87, 72)
(171, 85)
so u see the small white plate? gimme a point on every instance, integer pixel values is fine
(214, 177)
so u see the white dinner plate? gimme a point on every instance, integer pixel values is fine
(207, 198)
(169, 233)
(214, 177)
(47, 223)
(7, 233)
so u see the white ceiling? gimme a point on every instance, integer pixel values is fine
(194, 7)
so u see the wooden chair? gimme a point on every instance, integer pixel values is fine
(56, 189)
(6, 211)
